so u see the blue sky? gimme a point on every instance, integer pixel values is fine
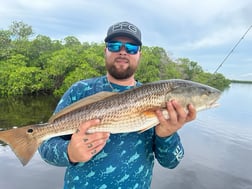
(203, 31)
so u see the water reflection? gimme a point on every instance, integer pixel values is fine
(218, 149)
(25, 110)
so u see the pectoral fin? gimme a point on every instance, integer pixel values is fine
(151, 119)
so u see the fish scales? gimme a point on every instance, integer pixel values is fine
(129, 111)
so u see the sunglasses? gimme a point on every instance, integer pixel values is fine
(116, 46)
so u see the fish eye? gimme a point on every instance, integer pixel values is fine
(30, 130)
(208, 93)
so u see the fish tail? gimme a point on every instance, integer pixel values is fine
(22, 142)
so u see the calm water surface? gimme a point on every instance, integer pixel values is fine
(218, 147)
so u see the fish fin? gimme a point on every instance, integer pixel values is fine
(152, 120)
(21, 141)
(149, 113)
(83, 102)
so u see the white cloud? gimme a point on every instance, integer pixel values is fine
(36, 4)
(226, 35)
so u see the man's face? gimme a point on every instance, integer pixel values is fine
(121, 65)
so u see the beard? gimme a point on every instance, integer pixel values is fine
(119, 73)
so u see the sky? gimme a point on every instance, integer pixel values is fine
(202, 31)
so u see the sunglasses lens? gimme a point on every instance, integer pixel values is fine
(131, 48)
(115, 46)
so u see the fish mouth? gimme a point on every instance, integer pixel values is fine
(215, 98)
(214, 105)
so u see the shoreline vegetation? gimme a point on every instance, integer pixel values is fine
(38, 65)
(241, 81)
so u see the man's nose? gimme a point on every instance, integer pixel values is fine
(123, 50)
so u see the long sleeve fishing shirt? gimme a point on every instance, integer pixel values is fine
(126, 162)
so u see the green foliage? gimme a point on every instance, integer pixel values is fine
(5, 44)
(41, 65)
(149, 67)
(60, 64)
(172, 71)
(82, 72)
(23, 80)
(189, 68)
(72, 42)
(93, 54)
(20, 30)
(219, 81)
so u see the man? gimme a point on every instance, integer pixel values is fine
(101, 160)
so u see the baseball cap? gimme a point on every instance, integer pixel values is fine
(124, 29)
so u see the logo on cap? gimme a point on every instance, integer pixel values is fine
(124, 26)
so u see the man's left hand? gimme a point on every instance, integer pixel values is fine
(177, 118)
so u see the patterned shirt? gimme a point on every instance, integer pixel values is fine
(126, 162)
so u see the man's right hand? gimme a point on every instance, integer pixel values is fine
(83, 146)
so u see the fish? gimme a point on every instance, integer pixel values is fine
(129, 111)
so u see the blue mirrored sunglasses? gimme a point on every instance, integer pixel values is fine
(116, 46)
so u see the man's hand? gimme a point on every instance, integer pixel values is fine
(177, 118)
(83, 146)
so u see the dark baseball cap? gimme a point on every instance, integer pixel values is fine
(124, 29)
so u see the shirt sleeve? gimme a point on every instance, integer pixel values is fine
(168, 150)
(54, 151)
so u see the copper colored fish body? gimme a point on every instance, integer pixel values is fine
(129, 111)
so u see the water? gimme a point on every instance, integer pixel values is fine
(218, 147)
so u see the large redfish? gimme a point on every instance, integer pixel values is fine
(129, 111)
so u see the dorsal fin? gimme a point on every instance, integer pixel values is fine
(83, 102)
